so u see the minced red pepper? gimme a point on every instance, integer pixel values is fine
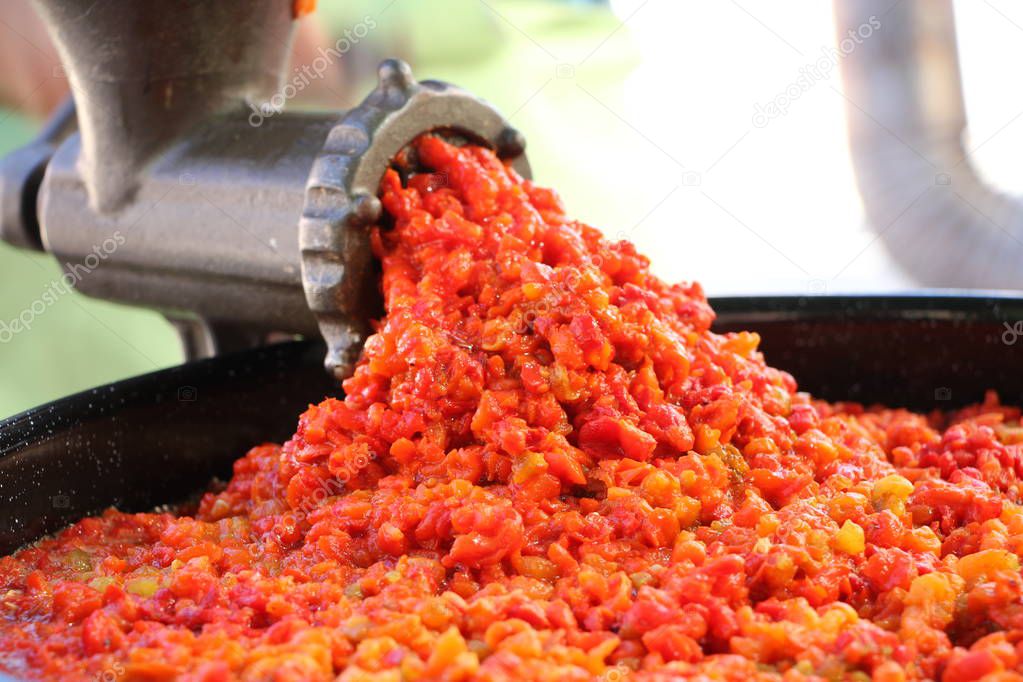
(547, 467)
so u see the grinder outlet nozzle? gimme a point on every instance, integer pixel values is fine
(341, 203)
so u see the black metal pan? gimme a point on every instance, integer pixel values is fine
(161, 437)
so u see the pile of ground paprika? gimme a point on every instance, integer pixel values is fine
(547, 467)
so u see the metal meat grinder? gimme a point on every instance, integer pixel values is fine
(235, 221)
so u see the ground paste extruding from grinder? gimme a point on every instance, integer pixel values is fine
(546, 467)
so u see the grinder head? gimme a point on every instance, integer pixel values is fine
(341, 202)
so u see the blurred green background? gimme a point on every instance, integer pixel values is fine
(78, 342)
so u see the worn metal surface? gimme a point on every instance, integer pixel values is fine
(211, 229)
(145, 73)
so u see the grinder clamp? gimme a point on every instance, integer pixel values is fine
(235, 221)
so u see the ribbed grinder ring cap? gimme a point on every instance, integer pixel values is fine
(341, 204)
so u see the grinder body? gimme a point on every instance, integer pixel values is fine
(179, 190)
